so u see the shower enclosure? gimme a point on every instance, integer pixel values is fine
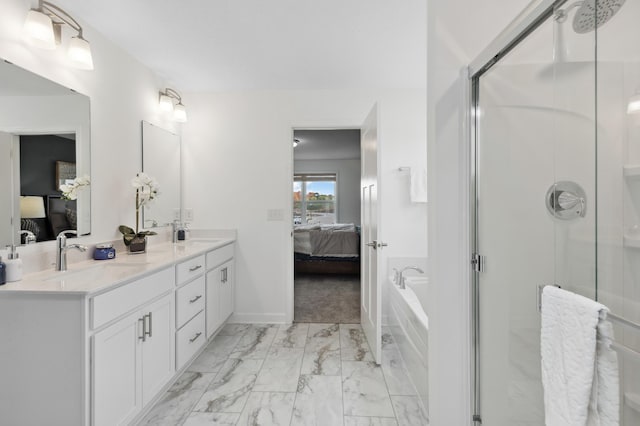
(555, 131)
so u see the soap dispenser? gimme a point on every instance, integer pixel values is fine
(3, 272)
(13, 265)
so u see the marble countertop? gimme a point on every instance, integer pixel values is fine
(91, 277)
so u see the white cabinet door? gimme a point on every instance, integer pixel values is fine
(213, 300)
(158, 354)
(227, 291)
(132, 360)
(116, 373)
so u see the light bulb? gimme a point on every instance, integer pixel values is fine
(39, 30)
(166, 104)
(80, 53)
(179, 113)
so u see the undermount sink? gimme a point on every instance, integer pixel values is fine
(94, 272)
(200, 241)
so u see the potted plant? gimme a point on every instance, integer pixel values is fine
(146, 191)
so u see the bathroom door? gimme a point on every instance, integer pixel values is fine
(370, 244)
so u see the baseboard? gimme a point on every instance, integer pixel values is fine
(248, 318)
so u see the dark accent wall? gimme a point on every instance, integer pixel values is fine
(38, 156)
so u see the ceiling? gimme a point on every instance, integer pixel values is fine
(209, 45)
(343, 144)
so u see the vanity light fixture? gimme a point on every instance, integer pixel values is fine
(633, 107)
(166, 105)
(43, 28)
(296, 142)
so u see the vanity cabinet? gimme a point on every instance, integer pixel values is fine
(132, 361)
(190, 306)
(133, 358)
(227, 291)
(98, 350)
(220, 287)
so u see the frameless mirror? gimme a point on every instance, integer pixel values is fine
(161, 160)
(44, 143)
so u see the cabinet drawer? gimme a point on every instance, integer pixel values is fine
(109, 306)
(189, 269)
(218, 256)
(189, 339)
(189, 301)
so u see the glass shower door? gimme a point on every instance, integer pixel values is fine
(535, 129)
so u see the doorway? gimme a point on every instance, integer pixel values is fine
(326, 225)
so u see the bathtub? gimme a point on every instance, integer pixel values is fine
(409, 325)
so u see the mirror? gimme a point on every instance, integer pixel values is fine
(44, 141)
(161, 160)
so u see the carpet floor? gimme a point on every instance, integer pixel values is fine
(327, 298)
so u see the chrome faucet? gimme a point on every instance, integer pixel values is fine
(62, 247)
(401, 280)
(175, 226)
(30, 236)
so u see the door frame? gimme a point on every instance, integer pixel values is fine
(289, 295)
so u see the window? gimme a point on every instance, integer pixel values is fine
(314, 198)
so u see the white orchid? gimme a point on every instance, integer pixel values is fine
(71, 188)
(147, 190)
(146, 187)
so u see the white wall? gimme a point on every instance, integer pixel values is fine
(238, 164)
(457, 32)
(123, 92)
(348, 182)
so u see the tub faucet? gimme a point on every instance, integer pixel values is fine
(401, 281)
(62, 247)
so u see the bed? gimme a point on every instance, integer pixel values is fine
(327, 248)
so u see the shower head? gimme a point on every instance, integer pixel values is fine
(592, 14)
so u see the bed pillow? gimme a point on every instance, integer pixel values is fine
(303, 228)
(338, 227)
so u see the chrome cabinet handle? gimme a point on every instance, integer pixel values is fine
(149, 331)
(195, 337)
(195, 268)
(223, 275)
(195, 299)
(143, 336)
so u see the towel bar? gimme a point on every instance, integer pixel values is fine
(622, 348)
(623, 321)
(539, 296)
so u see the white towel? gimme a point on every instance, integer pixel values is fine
(579, 368)
(418, 185)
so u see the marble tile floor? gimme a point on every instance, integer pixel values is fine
(293, 375)
(327, 298)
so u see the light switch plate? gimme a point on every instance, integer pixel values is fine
(274, 215)
(188, 215)
(176, 214)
